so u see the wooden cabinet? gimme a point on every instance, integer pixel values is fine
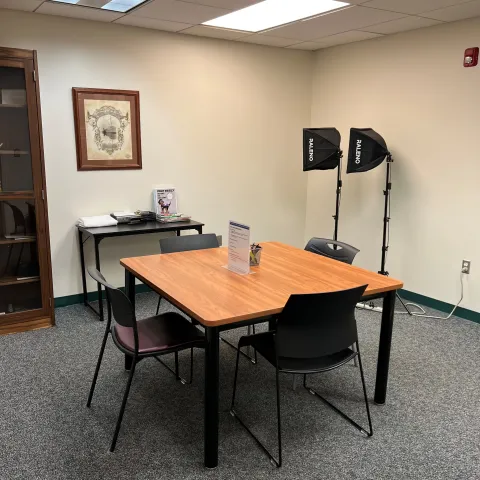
(26, 295)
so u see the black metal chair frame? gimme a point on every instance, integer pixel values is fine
(136, 355)
(245, 341)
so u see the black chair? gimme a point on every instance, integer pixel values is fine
(186, 243)
(307, 343)
(149, 337)
(333, 249)
(343, 252)
(197, 242)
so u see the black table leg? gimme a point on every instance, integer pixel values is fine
(97, 241)
(199, 230)
(82, 264)
(130, 293)
(272, 324)
(384, 347)
(211, 397)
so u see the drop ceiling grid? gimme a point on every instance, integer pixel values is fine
(363, 19)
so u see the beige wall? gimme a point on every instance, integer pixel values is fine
(414, 91)
(220, 120)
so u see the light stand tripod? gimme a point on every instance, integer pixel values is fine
(338, 196)
(386, 225)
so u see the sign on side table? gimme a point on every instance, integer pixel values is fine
(239, 248)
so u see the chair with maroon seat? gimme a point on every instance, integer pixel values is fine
(139, 339)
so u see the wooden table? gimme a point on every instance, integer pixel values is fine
(121, 230)
(198, 284)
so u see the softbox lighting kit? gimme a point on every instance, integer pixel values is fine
(367, 150)
(321, 151)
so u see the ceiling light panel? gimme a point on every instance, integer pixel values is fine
(272, 13)
(112, 5)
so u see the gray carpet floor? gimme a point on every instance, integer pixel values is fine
(429, 428)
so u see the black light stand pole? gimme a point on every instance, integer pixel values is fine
(386, 221)
(338, 196)
(386, 218)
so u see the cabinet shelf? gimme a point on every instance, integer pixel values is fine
(17, 280)
(14, 152)
(11, 241)
(11, 105)
(25, 195)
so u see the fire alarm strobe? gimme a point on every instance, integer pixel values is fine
(471, 57)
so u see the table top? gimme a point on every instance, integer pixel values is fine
(139, 228)
(200, 285)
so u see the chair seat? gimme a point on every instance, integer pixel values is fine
(159, 334)
(264, 343)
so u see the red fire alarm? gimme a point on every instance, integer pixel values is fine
(471, 57)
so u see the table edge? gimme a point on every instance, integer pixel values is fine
(225, 321)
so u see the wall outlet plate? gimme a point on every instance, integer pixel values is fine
(466, 266)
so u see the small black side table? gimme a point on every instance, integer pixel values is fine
(120, 230)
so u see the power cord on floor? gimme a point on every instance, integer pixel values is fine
(421, 312)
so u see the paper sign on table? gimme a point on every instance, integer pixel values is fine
(239, 248)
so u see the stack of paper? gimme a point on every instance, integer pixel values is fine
(98, 221)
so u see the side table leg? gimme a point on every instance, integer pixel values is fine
(82, 266)
(130, 293)
(99, 286)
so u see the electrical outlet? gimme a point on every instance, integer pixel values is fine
(466, 266)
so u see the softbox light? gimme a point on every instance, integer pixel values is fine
(321, 148)
(367, 150)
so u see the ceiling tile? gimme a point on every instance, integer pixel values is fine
(26, 5)
(346, 37)
(457, 12)
(402, 25)
(177, 11)
(306, 46)
(86, 13)
(227, 4)
(152, 23)
(268, 40)
(203, 31)
(412, 6)
(336, 22)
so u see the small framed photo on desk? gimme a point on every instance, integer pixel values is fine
(107, 129)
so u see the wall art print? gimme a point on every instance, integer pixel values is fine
(107, 129)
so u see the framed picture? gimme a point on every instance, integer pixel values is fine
(107, 129)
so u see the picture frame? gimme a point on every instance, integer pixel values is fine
(107, 129)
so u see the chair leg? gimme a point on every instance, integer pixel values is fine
(275, 462)
(100, 356)
(158, 304)
(176, 370)
(355, 361)
(365, 392)
(343, 415)
(246, 355)
(279, 424)
(124, 403)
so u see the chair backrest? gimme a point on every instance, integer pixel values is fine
(185, 243)
(18, 218)
(122, 309)
(333, 249)
(318, 324)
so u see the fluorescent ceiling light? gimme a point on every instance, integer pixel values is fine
(112, 5)
(122, 5)
(272, 13)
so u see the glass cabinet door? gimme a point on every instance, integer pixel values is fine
(20, 286)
